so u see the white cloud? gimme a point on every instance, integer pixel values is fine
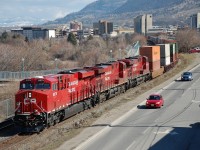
(41, 9)
(60, 14)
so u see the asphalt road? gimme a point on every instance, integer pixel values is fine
(175, 126)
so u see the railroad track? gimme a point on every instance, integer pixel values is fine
(7, 123)
(7, 129)
(10, 138)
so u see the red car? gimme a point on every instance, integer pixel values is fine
(155, 100)
(195, 50)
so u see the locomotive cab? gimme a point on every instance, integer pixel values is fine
(31, 100)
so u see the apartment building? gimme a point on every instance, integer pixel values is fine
(143, 23)
(103, 27)
(195, 21)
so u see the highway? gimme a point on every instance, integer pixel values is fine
(175, 126)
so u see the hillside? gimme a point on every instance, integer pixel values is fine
(123, 12)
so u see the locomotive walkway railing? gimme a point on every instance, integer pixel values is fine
(12, 76)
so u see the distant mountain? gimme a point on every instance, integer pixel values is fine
(103, 6)
(92, 12)
(146, 5)
(19, 21)
(123, 12)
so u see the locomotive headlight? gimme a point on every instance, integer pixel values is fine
(18, 103)
(29, 95)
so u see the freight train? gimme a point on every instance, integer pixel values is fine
(43, 101)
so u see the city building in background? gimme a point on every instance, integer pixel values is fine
(75, 26)
(195, 21)
(143, 23)
(62, 31)
(35, 33)
(82, 34)
(103, 27)
(125, 30)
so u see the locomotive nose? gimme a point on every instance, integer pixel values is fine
(28, 102)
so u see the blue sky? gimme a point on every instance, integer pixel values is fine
(41, 9)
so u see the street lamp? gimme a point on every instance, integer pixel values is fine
(56, 65)
(110, 55)
(23, 64)
(22, 67)
(120, 53)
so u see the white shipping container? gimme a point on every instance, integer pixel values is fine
(164, 50)
(165, 61)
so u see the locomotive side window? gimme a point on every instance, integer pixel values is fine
(55, 87)
(26, 86)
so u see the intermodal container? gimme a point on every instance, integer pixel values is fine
(176, 52)
(172, 49)
(154, 65)
(152, 52)
(164, 50)
(173, 58)
(176, 48)
(165, 61)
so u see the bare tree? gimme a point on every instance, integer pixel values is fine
(187, 39)
(41, 54)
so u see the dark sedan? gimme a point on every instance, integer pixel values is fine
(186, 76)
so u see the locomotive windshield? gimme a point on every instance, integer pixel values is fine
(29, 86)
(26, 86)
(42, 86)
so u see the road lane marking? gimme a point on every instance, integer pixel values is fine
(166, 132)
(130, 146)
(146, 130)
(195, 101)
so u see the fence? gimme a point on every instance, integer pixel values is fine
(9, 76)
(7, 109)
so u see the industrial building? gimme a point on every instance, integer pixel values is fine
(35, 33)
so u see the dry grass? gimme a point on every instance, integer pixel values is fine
(8, 90)
(7, 93)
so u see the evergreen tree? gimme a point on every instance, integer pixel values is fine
(72, 39)
(26, 39)
(4, 36)
(90, 37)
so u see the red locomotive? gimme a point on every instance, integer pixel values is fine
(46, 100)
